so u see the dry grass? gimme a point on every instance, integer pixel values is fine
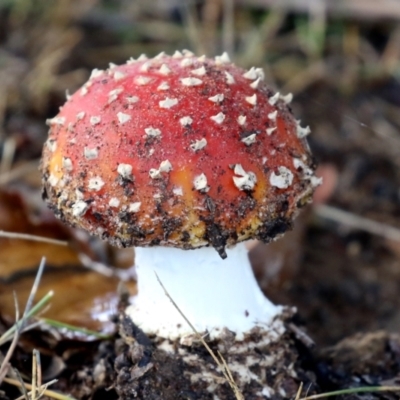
(37, 388)
(369, 389)
(32, 319)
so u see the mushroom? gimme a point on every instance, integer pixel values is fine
(184, 158)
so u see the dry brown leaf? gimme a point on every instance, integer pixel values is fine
(83, 298)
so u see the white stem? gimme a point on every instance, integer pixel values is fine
(211, 292)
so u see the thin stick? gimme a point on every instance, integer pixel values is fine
(225, 372)
(36, 373)
(228, 371)
(33, 238)
(298, 394)
(356, 222)
(43, 389)
(103, 269)
(34, 378)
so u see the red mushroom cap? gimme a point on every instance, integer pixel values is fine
(177, 151)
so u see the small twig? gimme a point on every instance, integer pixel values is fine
(34, 238)
(228, 371)
(103, 269)
(96, 266)
(36, 373)
(298, 394)
(356, 222)
(301, 335)
(222, 365)
(43, 389)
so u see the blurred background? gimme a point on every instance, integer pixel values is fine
(341, 60)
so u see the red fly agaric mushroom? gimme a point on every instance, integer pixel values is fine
(179, 153)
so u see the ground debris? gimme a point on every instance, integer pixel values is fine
(172, 370)
(364, 359)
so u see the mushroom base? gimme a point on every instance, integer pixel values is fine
(212, 293)
(262, 366)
